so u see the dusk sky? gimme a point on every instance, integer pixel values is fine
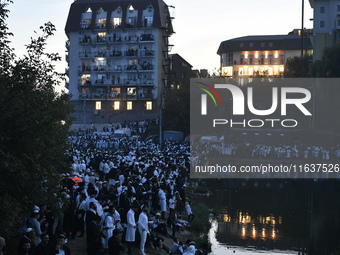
(200, 26)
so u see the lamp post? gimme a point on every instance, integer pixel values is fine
(302, 33)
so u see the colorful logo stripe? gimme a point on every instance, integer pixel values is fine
(213, 90)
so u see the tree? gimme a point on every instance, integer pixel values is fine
(34, 125)
(298, 66)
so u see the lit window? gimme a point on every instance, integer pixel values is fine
(116, 105)
(149, 105)
(178, 86)
(116, 22)
(129, 105)
(172, 86)
(89, 10)
(86, 79)
(101, 23)
(98, 105)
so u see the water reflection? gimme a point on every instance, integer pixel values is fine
(219, 248)
(299, 215)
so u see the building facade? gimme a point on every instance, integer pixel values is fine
(253, 56)
(180, 72)
(326, 24)
(118, 58)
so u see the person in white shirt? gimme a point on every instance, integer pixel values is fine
(131, 226)
(190, 215)
(162, 201)
(143, 227)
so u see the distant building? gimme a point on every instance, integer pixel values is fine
(179, 72)
(326, 24)
(252, 56)
(118, 58)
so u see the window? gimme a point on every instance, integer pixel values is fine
(89, 10)
(178, 86)
(101, 23)
(116, 105)
(132, 91)
(130, 8)
(241, 45)
(262, 44)
(98, 105)
(148, 105)
(251, 44)
(338, 22)
(86, 79)
(116, 22)
(270, 44)
(172, 86)
(129, 105)
(322, 9)
(148, 20)
(338, 8)
(132, 21)
(322, 23)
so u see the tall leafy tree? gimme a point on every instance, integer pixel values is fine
(34, 124)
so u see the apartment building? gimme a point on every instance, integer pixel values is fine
(117, 53)
(326, 24)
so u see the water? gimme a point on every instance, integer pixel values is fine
(274, 216)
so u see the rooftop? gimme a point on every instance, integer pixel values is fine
(161, 14)
(264, 42)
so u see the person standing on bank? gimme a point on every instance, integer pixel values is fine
(131, 226)
(143, 227)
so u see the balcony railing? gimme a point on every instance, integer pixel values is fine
(131, 39)
(100, 68)
(85, 54)
(131, 53)
(147, 37)
(115, 53)
(146, 53)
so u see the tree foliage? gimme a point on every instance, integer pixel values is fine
(298, 66)
(34, 125)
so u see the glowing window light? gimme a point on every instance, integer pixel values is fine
(256, 54)
(276, 55)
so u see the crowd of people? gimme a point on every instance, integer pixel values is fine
(118, 190)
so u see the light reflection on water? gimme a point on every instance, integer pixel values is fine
(222, 249)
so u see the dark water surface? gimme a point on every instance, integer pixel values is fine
(275, 216)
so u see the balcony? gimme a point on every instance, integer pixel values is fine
(145, 66)
(142, 82)
(102, 39)
(117, 68)
(146, 53)
(85, 54)
(100, 54)
(85, 69)
(147, 38)
(100, 68)
(131, 39)
(115, 53)
(131, 53)
(131, 68)
(85, 39)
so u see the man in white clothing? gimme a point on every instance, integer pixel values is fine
(131, 226)
(162, 201)
(143, 227)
